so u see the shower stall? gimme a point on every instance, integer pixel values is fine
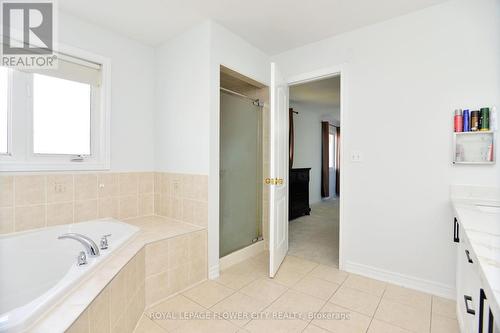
(240, 171)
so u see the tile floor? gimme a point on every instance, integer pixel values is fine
(316, 237)
(340, 302)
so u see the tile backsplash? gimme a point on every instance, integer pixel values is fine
(182, 197)
(39, 200)
(46, 199)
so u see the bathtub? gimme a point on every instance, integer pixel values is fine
(37, 269)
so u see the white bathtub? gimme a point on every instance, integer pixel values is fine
(37, 269)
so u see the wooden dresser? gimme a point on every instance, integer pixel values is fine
(298, 203)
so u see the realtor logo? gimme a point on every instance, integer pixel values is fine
(28, 34)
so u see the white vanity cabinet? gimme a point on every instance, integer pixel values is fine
(473, 311)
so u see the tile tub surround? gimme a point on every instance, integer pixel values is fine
(45, 199)
(183, 197)
(111, 299)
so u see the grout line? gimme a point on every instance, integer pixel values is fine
(376, 309)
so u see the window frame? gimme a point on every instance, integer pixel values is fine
(8, 153)
(21, 156)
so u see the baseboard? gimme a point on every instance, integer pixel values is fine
(242, 255)
(427, 286)
(213, 272)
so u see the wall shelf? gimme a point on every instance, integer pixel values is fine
(473, 148)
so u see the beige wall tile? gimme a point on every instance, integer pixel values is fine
(178, 252)
(85, 210)
(59, 213)
(146, 182)
(85, 187)
(81, 325)
(157, 204)
(140, 263)
(99, 313)
(29, 190)
(195, 187)
(29, 217)
(157, 257)
(59, 188)
(108, 185)
(197, 270)
(195, 212)
(117, 298)
(6, 191)
(178, 278)
(128, 184)
(157, 288)
(197, 245)
(109, 207)
(176, 185)
(146, 204)
(128, 206)
(6, 220)
(175, 208)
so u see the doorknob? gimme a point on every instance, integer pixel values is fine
(274, 181)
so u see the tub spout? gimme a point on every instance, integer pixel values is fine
(90, 246)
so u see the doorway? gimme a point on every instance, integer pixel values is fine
(314, 173)
(242, 156)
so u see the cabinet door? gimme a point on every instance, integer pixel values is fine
(468, 287)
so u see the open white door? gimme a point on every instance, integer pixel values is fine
(278, 218)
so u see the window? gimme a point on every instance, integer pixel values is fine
(61, 109)
(55, 119)
(331, 155)
(4, 114)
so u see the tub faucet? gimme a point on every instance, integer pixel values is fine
(90, 246)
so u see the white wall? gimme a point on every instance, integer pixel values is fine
(307, 143)
(403, 79)
(132, 90)
(187, 120)
(183, 102)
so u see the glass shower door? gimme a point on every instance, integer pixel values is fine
(240, 173)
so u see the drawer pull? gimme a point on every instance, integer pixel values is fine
(467, 253)
(468, 299)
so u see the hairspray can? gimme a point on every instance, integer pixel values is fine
(466, 121)
(458, 120)
(474, 121)
(484, 119)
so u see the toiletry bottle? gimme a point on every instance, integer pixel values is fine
(484, 120)
(474, 121)
(458, 120)
(466, 121)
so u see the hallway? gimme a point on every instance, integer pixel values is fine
(316, 237)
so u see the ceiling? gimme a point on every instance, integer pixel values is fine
(271, 25)
(322, 94)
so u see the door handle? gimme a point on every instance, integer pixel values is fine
(274, 181)
(468, 299)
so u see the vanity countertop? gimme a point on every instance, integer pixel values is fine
(479, 222)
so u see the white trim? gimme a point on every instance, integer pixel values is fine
(321, 74)
(101, 151)
(427, 286)
(213, 272)
(242, 254)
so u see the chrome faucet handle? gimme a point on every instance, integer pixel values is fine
(81, 259)
(104, 242)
